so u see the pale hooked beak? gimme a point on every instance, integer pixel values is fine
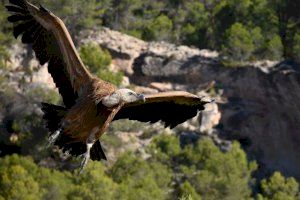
(142, 97)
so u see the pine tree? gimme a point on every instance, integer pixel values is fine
(238, 44)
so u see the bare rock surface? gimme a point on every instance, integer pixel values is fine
(262, 109)
(125, 49)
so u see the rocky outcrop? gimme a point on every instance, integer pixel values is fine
(125, 49)
(209, 118)
(260, 105)
(262, 109)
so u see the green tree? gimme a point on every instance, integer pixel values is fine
(263, 16)
(165, 148)
(288, 16)
(98, 61)
(79, 15)
(238, 44)
(204, 169)
(193, 30)
(274, 48)
(16, 181)
(187, 190)
(5, 37)
(122, 16)
(94, 183)
(140, 179)
(218, 175)
(213, 9)
(278, 187)
(158, 29)
(296, 47)
(258, 41)
(21, 178)
(240, 9)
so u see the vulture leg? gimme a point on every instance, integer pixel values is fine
(86, 156)
(53, 137)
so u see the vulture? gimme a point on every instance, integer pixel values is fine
(90, 104)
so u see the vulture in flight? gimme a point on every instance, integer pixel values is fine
(90, 104)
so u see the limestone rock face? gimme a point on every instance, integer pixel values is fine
(43, 77)
(209, 118)
(125, 49)
(162, 86)
(262, 109)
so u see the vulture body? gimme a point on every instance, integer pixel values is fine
(90, 104)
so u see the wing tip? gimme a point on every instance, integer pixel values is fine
(20, 3)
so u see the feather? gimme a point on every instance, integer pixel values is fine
(16, 9)
(17, 17)
(172, 108)
(20, 28)
(43, 9)
(71, 76)
(21, 3)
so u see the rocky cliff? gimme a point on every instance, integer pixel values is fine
(259, 104)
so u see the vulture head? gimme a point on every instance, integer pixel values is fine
(122, 96)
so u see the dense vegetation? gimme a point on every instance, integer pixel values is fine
(199, 171)
(241, 30)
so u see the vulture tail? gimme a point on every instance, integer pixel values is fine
(53, 116)
(97, 152)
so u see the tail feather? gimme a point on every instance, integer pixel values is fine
(97, 152)
(53, 116)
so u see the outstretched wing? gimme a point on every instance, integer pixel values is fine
(51, 43)
(172, 108)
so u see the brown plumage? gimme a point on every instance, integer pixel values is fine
(90, 104)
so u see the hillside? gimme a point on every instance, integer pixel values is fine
(255, 103)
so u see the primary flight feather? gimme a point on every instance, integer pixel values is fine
(90, 104)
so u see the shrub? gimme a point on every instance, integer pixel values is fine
(94, 57)
(278, 187)
(206, 170)
(187, 192)
(274, 48)
(158, 29)
(258, 41)
(238, 43)
(140, 179)
(98, 61)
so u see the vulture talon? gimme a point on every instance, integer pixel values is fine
(86, 156)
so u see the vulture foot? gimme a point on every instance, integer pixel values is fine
(86, 156)
(53, 138)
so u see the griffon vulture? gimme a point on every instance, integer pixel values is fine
(90, 104)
